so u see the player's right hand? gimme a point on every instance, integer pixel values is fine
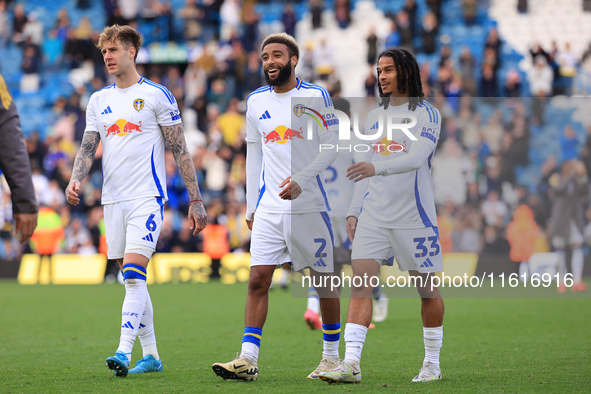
(72, 193)
(249, 222)
(351, 227)
(25, 225)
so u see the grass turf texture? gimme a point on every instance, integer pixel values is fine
(56, 339)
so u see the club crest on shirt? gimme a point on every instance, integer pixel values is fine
(298, 110)
(138, 104)
(406, 121)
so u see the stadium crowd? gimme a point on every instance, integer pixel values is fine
(477, 191)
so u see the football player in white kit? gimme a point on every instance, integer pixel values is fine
(132, 118)
(291, 221)
(395, 210)
(340, 191)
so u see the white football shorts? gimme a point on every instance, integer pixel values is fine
(133, 222)
(415, 249)
(305, 239)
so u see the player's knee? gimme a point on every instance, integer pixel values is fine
(259, 281)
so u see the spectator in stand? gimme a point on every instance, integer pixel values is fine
(324, 57)
(569, 144)
(429, 32)
(541, 78)
(250, 40)
(567, 60)
(230, 14)
(494, 210)
(76, 235)
(342, 11)
(192, 18)
(512, 83)
(62, 24)
(488, 82)
(372, 46)
(289, 19)
(537, 50)
(182, 241)
(410, 7)
(435, 7)
(470, 11)
(316, 8)
(493, 41)
(52, 50)
(174, 82)
(219, 94)
(252, 75)
(231, 123)
(19, 21)
(393, 39)
(371, 83)
(34, 30)
(467, 66)
(30, 66)
(406, 32)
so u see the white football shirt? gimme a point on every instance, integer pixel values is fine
(406, 200)
(128, 121)
(338, 188)
(286, 147)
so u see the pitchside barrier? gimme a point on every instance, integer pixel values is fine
(192, 268)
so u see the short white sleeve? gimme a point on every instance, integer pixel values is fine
(167, 110)
(91, 116)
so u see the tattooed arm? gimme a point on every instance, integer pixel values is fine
(175, 136)
(82, 164)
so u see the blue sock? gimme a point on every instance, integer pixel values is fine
(331, 334)
(251, 343)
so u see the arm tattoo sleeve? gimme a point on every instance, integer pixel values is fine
(175, 136)
(85, 156)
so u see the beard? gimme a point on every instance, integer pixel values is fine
(382, 94)
(282, 77)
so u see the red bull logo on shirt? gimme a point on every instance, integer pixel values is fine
(385, 147)
(122, 127)
(282, 134)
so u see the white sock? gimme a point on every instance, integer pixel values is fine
(433, 338)
(146, 330)
(132, 311)
(330, 349)
(313, 300)
(561, 264)
(284, 280)
(578, 263)
(250, 351)
(354, 340)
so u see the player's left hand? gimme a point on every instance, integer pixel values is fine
(291, 191)
(197, 216)
(361, 170)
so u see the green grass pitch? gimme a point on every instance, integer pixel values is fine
(55, 339)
